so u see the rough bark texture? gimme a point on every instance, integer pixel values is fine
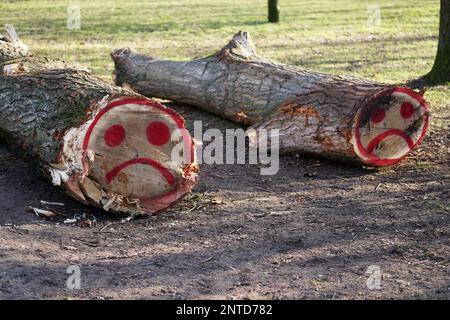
(48, 110)
(440, 73)
(337, 117)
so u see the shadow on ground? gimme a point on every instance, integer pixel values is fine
(311, 231)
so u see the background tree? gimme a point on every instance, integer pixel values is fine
(274, 12)
(440, 73)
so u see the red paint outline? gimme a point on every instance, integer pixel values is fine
(162, 201)
(369, 156)
(392, 132)
(150, 103)
(163, 170)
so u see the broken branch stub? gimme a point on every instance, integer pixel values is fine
(338, 117)
(102, 144)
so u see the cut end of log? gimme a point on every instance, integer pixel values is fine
(390, 126)
(137, 157)
(103, 145)
(121, 57)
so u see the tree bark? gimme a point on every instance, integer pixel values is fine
(337, 117)
(274, 12)
(80, 132)
(440, 73)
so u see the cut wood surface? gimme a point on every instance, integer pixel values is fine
(338, 117)
(102, 144)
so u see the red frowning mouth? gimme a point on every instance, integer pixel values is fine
(393, 132)
(147, 161)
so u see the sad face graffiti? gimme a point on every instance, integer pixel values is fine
(132, 145)
(392, 126)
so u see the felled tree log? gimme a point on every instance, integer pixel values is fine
(337, 117)
(102, 144)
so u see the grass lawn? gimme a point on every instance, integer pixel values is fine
(323, 35)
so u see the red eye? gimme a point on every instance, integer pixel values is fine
(406, 110)
(158, 133)
(377, 115)
(114, 135)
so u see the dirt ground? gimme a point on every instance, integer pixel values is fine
(311, 231)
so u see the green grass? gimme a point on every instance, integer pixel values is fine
(323, 35)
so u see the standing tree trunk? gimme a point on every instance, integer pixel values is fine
(345, 118)
(274, 12)
(102, 144)
(440, 73)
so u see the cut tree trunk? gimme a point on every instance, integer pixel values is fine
(102, 144)
(337, 117)
(440, 73)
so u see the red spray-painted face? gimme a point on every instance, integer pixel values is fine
(391, 127)
(131, 141)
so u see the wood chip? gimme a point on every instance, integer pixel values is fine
(43, 213)
(206, 260)
(52, 203)
(70, 248)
